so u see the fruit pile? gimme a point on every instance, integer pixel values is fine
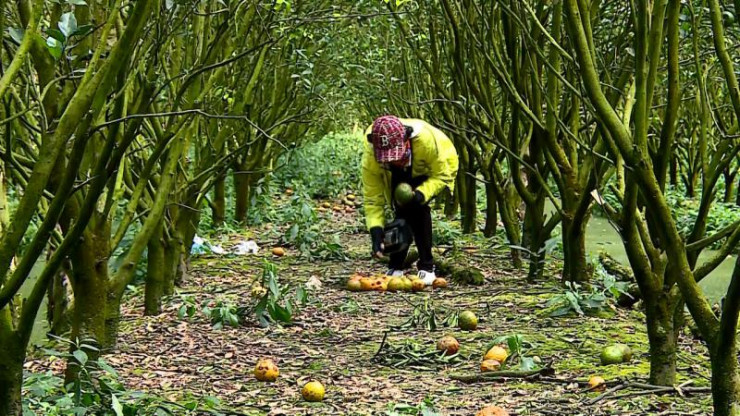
(348, 204)
(382, 283)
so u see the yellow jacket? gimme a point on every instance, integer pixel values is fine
(433, 155)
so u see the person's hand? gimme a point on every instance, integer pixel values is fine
(376, 234)
(418, 198)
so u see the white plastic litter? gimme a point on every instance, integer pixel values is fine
(217, 250)
(247, 247)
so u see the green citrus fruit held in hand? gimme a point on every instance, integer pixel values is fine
(404, 194)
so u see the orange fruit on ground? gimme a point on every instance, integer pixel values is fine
(492, 411)
(366, 284)
(266, 370)
(449, 345)
(313, 392)
(597, 383)
(381, 285)
(490, 365)
(439, 283)
(278, 251)
(496, 353)
(417, 285)
(288, 192)
(337, 208)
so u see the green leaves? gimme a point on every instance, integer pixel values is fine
(81, 357)
(68, 24)
(16, 34)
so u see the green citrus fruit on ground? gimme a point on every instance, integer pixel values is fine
(611, 355)
(313, 392)
(395, 284)
(626, 352)
(403, 194)
(354, 285)
(406, 284)
(468, 321)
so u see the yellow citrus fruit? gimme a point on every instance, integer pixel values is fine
(497, 353)
(366, 284)
(597, 383)
(406, 284)
(490, 365)
(379, 284)
(266, 370)
(278, 251)
(313, 392)
(351, 197)
(492, 411)
(449, 345)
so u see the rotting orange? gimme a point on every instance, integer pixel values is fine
(266, 370)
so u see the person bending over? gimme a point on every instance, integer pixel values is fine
(416, 153)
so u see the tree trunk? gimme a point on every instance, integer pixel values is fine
(11, 367)
(155, 274)
(468, 204)
(452, 204)
(663, 339)
(112, 321)
(674, 170)
(241, 195)
(57, 304)
(576, 267)
(511, 225)
(491, 210)
(729, 188)
(219, 202)
(172, 255)
(725, 381)
(90, 285)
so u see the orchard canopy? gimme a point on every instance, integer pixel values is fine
(185, 187)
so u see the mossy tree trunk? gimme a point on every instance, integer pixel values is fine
(467, 189)
(663, 331)
(242, 191)
(154, 288)
(219, 202)
(491, 210)
(11, 367)
(576, 268)
(89, 259)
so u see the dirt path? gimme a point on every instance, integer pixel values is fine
(335, 338)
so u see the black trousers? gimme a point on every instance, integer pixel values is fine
(419, 218)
